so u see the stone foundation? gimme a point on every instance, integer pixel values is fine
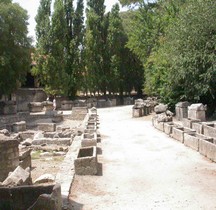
(9, 157)
(47, 127)
(19, 126)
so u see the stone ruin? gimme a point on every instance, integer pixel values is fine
(86, 161)
(23, 138)
(192, 130)
(143, 107)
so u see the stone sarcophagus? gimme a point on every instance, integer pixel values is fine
(86, 161)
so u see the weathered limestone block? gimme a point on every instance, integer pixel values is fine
(181, 110)
(57, 118)
(137, 112)
(47, 127)
(25, 158)
(197, 111)
(168, 126)
(79, 113)
(187, 122)
(93, 110)
(45, 178)
(198, 127)
(9, 157)
(66, 105)
(192, 140)
(160, 108)
(47, 106)
(49, 201)
(27, 134)
(178, 133)
(88, 140)
(209, 129)
(86, 161)
(18, 177)
(208, 149)
(57, 141)
(19, 126)
(157, 125)
(90, 131)
(8, 107)
(35, 107)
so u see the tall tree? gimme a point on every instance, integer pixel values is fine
(14, 46)
(96, 41)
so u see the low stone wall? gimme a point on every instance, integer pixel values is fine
(22, 197)
(9, 157)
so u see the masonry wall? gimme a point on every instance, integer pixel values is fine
(21, 198)
(9, 157)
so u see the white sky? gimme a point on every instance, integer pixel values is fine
(32, 5)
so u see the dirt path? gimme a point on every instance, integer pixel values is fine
(142, 168)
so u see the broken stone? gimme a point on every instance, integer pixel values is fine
(18, 177)
(160, 108)
(27, 142)
(5, 132)
(45, 154)
(45, 178)
(38, 135)
(59, 153)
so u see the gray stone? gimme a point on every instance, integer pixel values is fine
(208, 149)
(45, 178)
(178, 133)
(51, 201)
(27, 142)
(5, 132)
(35, 107)
(160, 108)
(86, 161)
(19, 126)
(181, 110)
(187, 122)
(209, 129)
(18, 177)
(197, 111)
(47, 127)
(38, 135)
(198, 127)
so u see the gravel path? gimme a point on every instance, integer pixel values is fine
(142, 168)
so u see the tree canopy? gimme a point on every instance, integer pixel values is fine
(14, 46)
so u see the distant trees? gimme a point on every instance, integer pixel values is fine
(175, 40)
(110, 66)
(59, 37)
(14, 46)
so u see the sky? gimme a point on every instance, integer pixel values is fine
(32, 5)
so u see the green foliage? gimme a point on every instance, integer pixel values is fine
(59, 37)
(191, 52)
(14, 46)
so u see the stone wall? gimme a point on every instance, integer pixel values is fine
(26, 95)
(22, 197)
(9, 157)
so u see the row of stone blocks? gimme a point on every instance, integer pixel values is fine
(86, 161)
(204, 144)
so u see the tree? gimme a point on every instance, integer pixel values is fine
(75, 34)
(14, 46)
(190, 49)
(96, 42)
(59, 38)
